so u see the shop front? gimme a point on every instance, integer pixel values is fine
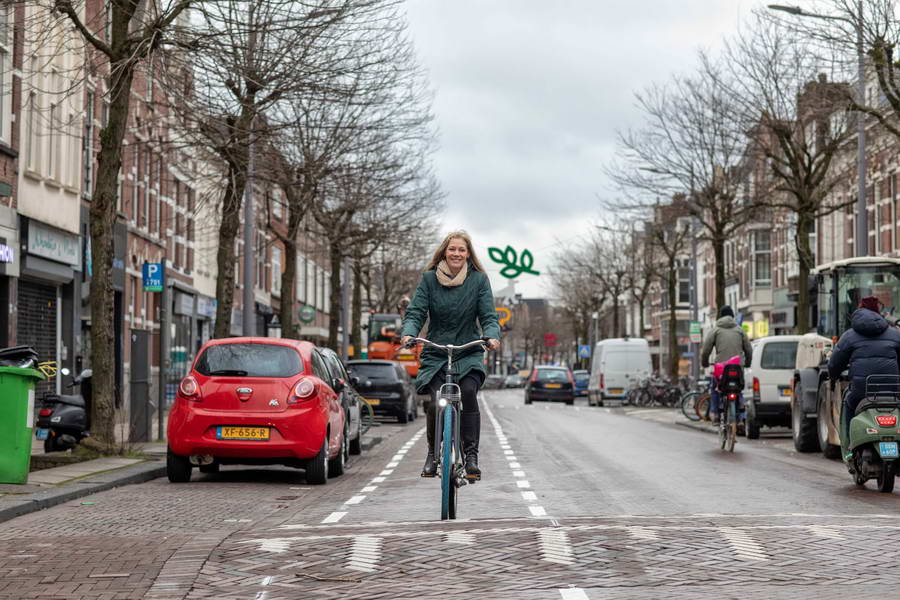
(9, 274)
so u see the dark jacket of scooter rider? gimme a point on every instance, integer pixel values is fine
(869, 347)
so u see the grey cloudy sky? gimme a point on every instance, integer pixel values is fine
(529, 95)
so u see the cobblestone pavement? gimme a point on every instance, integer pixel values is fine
(577, 503)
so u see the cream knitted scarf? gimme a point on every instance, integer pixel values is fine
(446, 279)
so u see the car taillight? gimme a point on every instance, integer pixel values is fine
(756, 384)
(304, 390)
(45, 412)
(602, 381)
(534, 376)
(886, 420)
(189, 388)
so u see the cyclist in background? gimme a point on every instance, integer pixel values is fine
(729, 341)
(455, 297)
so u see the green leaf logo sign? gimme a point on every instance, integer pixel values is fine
(514, 265)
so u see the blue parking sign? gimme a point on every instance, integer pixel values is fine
(153, 277)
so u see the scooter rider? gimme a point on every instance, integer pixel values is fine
(869, 347)
(729, 340)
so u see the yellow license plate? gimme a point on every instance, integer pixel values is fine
(554, 385)
(242, 433)
(787, 392)
(373, 401)
(616, 390)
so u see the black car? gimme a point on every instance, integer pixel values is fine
(344, 385)
(550, 383)
(387, 387)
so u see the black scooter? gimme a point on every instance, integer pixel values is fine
(64, 420)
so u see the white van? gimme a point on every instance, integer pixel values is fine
(769, 382)
(617, 364)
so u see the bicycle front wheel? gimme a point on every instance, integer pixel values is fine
(448, 463)
(688, 406)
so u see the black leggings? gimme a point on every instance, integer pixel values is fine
(470, 418)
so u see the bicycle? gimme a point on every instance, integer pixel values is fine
(451, 468)
(730, 386)
(695, 401)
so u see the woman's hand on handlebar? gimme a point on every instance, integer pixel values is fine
(406, 341)
(493, 344)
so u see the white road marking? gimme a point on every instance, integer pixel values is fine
(825, 532)
(398, 457)
(508, 452)
(743, 545)
(537, 511)
(643, 533)
(465, 539)
(365, 553)
(355, 500)
(573, 594)
(386, 472)
(392, 465)
(518, 473)
(523, 483)
(369, 488)
(555, 547)
(334, 517)
(378, 480)
(515, 465)
(277, 545)
(267, 580)
(529, 496)
(511, 458)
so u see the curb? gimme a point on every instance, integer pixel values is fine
(16, 506)
(696, 426)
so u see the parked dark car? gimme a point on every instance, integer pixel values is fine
(342, 383)
(581, 382)
(514, 381)
(493, 382)
(387, 387)
(556, 384)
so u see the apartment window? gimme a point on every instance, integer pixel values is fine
(6, 68)
(33, 136)
(72, 168)
(276, 270)
(87, 145)
(260, 261)
(301, 278)
(52, 150)
(276, 205)
(684, 283)
(762, 258)
(109, 17)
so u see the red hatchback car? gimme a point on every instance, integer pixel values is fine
(258, 401)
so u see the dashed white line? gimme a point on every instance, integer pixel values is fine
(523, 483)
(537, 511)
(355, 500)
(515, 465)
(378, 480)
(529, 496)
(392, 465)
(267, 580)
(518, 473)
(334, 517)
(369, 488)
(386, 472)
(573, 594)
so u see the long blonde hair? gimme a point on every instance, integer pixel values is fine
(442, 250)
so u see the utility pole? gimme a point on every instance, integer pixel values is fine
(163, 354)
(345, 312)
(695, 347)
(862, 212)
(249, 328)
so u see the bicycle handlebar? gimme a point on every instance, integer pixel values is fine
(448, 347)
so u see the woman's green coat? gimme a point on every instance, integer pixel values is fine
(454, 315)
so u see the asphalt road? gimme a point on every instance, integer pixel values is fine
(576, 503)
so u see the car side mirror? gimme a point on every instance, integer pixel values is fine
(338, 385)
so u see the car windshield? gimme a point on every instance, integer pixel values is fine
(372, 371)
(552, 375)
(582, 377)
(779, 355)
(250, 360)
(855, 283)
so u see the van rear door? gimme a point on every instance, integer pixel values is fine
(621, 368)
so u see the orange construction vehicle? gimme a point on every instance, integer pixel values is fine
(384, 342)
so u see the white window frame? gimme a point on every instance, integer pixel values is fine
(87, 148)
(276, 270)
(6, 71)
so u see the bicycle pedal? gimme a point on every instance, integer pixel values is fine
(473, 478)
(427, 476)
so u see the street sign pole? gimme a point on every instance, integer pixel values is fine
(695, 364)
(163, 353)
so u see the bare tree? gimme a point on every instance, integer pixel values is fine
(136, 31)
(692, 144)
(797, 123)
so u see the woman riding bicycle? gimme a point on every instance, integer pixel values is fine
(455, 297)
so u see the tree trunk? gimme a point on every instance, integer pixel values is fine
(616, 330)
(805, 258)
(673, 324)
(356, 312)
(289, 327)
(103, 217)
(225, 255)
(718, 244)
(640, 333)
(334, 298)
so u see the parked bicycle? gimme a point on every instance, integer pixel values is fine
(695, 402)
(657, 391)
(448, 442)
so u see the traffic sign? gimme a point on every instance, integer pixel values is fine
(549, 339)
(307, 314)
(153, 277)
(584, 351)
(696, 336)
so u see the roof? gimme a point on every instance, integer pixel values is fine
(858, 261)
(260, 340)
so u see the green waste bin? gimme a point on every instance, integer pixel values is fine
(16, 422)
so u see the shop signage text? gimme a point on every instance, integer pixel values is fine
(7, 254)
(53, 244)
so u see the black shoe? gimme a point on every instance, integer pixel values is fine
(430, 468)
(472, 470)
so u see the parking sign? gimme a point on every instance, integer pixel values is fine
(153, 277)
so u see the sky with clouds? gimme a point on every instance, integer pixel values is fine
(529, 95)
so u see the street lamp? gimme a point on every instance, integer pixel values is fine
(862, 219)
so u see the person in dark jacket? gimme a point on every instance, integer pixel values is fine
(454, 296)
(869, 347)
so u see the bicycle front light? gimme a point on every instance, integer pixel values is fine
(442, 402)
